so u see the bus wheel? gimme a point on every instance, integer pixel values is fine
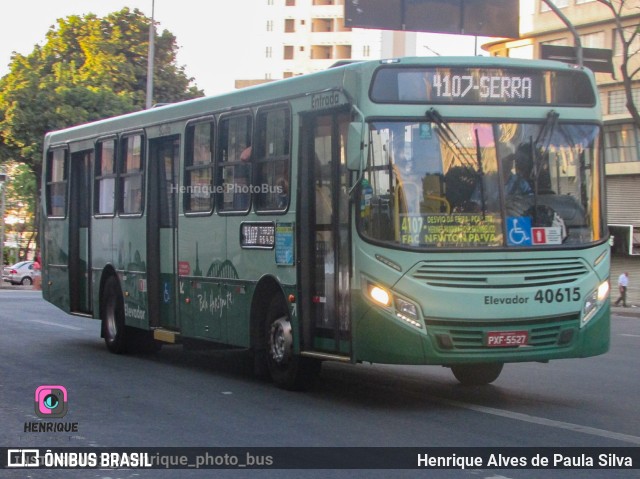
(287, 370)
(477, 374)
(112, 315)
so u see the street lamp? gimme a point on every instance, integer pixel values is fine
(3, 179)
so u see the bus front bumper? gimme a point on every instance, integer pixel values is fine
(381, 338)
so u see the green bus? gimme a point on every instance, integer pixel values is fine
(436, 211)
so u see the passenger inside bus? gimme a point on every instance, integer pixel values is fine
(514, 173)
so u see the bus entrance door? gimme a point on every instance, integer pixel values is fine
(79, 232)
(161, 232)
(324, 275)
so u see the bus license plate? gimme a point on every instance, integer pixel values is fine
(506, 339)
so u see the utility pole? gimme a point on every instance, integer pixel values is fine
(3, 180)
(151, 54)
(576, 38)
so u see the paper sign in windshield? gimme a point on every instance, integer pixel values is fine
(450, 230)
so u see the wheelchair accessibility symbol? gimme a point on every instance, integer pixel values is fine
(519, 231)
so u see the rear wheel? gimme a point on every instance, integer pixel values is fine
(26, 281)
(112, 315)
(477, 374)
(286, 369)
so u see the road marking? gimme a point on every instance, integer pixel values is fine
(546, 422)
(56, 324)
(630, 335)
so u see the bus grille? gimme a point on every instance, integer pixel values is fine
(500, 274)
(470, 339)
(467, 335)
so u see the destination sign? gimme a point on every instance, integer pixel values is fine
(504, 86)
(258, 235)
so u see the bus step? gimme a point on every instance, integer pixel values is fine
(165, 335)
(327, 356)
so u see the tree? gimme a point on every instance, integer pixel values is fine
(628, 37)
(20, 210)
(89, 68)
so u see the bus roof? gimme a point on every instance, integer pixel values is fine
(282, 90)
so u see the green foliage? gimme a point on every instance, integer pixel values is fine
(89, 68)
(20, 207)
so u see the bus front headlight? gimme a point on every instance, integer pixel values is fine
(593, 302)
(407, 311)
(379, 294)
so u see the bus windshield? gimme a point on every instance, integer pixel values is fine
(482, 185)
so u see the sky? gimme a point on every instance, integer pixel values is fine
(212, 41)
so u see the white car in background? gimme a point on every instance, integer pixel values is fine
(20, 273)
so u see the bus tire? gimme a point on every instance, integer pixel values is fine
(112, 315)
(287, 370)
(477, 374)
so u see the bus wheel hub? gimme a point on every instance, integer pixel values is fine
(280, 341)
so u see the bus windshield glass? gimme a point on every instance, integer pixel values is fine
(438, 184)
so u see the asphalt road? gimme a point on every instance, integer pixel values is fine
(211, 399)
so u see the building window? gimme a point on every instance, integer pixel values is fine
(269, 52)
(290, 3)
(366, 51)
(592, 40)
(131, 176)
(105, 178)
(617, 101)
(289, 25)
(558, 3)
(57, 183)
(198, 174)
(321, 52)
(272, 160)
(621, 143)
(288, 52)
(627, 32)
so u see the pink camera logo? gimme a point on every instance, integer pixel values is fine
(51, 402)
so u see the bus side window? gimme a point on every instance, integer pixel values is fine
(131, 175)
(198, 174)
(105, 178)
(57, 171)
(272, 160)
(234, 164)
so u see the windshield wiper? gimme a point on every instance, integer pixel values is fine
(446, 133)
(546, 134)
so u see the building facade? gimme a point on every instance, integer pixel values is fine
(597, 28)
(306, 36)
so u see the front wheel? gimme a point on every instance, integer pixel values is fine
(286, 369)
(477, 374)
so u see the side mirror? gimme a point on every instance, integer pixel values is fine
(355, 146)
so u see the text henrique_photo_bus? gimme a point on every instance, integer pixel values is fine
(424, 211)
